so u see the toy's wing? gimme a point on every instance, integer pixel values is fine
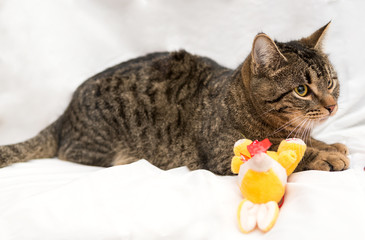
(289, 160)
(236, 164)
(241, 154)
(291, 151)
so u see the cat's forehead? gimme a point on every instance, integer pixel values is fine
(303, 59)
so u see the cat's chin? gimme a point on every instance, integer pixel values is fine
(322, 120)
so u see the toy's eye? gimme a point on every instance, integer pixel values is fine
(301, 90)
(330, 83)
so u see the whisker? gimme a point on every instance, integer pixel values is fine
(301, 129)
(310, 139)
(285, 125)
(297, 127)
(266, 112)
(308, 130)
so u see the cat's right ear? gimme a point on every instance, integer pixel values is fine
(265, 54)
(316, 39)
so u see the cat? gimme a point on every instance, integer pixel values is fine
(178, 109)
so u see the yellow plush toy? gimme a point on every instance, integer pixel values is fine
(262, 178)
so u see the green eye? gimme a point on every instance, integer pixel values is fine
(301, 90)
(330, 83)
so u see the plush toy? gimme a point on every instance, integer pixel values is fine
(262, 178)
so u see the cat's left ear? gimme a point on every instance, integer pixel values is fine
(265, 54)
(316, 39)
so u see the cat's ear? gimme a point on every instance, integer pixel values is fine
(315, 40)
(265, 53)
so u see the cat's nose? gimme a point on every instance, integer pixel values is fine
(330, 108)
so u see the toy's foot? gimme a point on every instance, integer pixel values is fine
(251, 215)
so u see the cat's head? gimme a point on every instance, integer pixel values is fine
(293, 83)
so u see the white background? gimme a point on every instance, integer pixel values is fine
(47, 48)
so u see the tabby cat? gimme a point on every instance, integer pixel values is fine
(178, 109)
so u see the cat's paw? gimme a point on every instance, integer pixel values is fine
(342, 148)
(330, 161)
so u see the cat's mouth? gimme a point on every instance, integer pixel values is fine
(320, 115)
(318, 118)
(301, 124)
(307, 121)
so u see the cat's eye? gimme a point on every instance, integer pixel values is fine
(330, 83)
(301, 90)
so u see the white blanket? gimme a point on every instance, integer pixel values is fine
(49, 47)
(43, 200)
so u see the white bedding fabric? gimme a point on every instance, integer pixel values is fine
(49, 47)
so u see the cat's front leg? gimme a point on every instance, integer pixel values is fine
(336, 147)
(325, 157)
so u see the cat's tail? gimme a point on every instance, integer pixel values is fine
(43, 145)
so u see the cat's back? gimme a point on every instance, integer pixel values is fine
(158, 78)
(162, 67)
(140, 101)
